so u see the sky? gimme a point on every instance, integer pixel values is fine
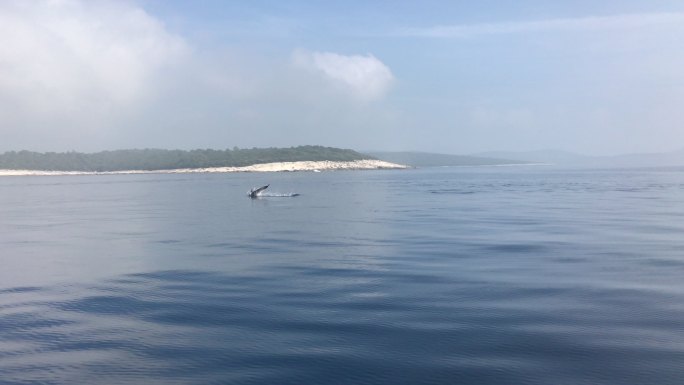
(460, 77)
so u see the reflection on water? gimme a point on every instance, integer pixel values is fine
(535, 277)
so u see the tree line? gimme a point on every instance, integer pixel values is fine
(158, 159)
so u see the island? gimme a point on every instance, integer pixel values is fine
(301, 158)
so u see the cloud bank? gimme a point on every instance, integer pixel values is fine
(72, 71)
(92, 75)
(364, 76)
(62, 55)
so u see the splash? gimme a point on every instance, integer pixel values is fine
(277, 195)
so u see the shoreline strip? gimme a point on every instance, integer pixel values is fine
(325, 165)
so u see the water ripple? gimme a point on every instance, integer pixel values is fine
(198, 327)
(536, 277)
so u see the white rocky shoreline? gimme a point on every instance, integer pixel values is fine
(325, 165)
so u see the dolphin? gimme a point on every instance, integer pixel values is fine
(253, 193)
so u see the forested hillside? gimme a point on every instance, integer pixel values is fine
(156, 159)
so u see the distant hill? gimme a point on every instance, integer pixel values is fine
(156, 159)
(425, 159)
(564, 158)
(541, 156)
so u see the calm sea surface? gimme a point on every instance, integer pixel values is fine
(509, 275)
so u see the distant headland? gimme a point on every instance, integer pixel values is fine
(301, 158)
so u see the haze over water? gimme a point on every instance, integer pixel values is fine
(508, 275)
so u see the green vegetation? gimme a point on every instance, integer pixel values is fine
(155, 159)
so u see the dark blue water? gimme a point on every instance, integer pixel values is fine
(523, 275)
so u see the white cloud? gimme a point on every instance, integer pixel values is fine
(63, 57)
(628, 21)
(92, 75)
(365, 77)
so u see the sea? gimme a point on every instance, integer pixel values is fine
(457, 275)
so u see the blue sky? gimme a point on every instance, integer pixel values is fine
(445, 76)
